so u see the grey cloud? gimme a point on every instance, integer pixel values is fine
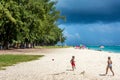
(89, 11)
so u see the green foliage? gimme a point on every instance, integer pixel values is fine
(8, 60)
(29, 21)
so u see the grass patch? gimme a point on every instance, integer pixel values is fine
(9, 59)
(52, 46)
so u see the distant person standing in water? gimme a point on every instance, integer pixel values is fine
(109, 66)
(72, 61)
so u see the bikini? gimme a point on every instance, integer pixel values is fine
(109, 65)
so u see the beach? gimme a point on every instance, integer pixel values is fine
(55, 65)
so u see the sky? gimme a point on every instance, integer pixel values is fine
(90, 22)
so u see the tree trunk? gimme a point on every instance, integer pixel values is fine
(6, 45)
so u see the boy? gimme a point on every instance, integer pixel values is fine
(73, 63)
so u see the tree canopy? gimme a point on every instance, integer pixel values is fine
(29, 22)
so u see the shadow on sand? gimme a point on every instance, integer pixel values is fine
(102, 74)
(69, 70)
(105, 75)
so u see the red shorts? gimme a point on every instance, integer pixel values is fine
(73, 64)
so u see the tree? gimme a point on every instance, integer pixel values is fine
(29, 22)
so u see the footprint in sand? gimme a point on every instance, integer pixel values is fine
(82, 73)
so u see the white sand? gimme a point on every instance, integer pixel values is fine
(93, 63)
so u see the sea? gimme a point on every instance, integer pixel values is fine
(115, 49)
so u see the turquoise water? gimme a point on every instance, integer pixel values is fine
(115, 49)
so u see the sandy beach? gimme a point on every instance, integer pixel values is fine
(90, 65)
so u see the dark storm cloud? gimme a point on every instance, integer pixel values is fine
(90, 11)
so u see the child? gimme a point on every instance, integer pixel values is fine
(109, 66)
(73, 63)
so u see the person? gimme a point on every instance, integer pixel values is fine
(109, 66)
(73, 63)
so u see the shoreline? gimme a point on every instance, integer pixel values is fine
(105, 51)
(111, 49)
